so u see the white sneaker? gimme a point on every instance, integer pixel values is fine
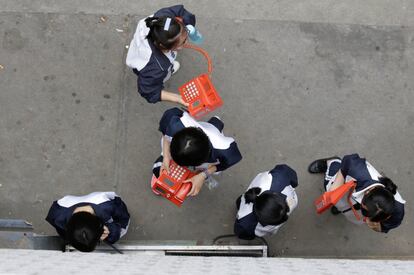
(176, 67)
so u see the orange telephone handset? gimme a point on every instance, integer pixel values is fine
(330, 198)
(171, 185)
(199, 92)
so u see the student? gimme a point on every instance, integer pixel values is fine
(153, 51)
(375, 198)
(200, 145)
(84, 221)
(267, 203)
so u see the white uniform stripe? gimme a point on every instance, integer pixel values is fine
(95, 198)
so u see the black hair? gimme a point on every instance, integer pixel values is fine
(190, 147)
(163, 39)
(270, 208)
(379, 202)
(83, 231)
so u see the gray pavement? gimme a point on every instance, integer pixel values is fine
(300, 80)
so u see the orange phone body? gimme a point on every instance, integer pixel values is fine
(171, 185)
(201, 96)
(330, 198)
(199, 92)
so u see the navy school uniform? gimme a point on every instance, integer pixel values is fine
(281, 179)
(106, 205)
(224, 153)
(152, 66)
(358, 169)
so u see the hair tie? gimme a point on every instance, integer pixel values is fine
(167, 24)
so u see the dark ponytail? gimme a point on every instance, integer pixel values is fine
(150, 22)
(389, 185)
(251, 194)
(163, 39)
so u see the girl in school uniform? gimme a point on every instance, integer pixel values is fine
(195, 144)
(375, 199)
(267, 203)
(153, 51)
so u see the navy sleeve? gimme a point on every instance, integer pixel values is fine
(356, 167)
(114, 232)
(178, 11)
(120, 217)
(58, 217)
(169, 120)
(245, 227)
(120, 214)
(285, 173)
(395, 220)
(151, 81)
(228, 157)
(348, 162)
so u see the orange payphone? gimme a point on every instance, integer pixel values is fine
(330, 198)
(199, 92)
(171, 185)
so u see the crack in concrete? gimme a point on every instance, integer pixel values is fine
(122, 117)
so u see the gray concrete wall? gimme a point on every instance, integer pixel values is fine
(309, 79)
(51, 262)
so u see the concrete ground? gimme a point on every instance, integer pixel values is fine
(300, 80)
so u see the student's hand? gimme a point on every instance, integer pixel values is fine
(197, 182)
(105, 233)
(165, 164)
(178, 99)
(376, 226)
(173, 97)
(182, 102)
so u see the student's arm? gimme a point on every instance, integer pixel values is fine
(241, 233)
(58, 217)
(396, 218)
(105, 233)
(168, 126)
(347, 163)
(339, 181)
(151, 82)
(376, 226)
(244, 229)
(356, 167)
(172, 97)
(114, 232)
(120, 214)
(168, 123)
(198, 180)
(166, 153)
(151, 85)
(229, 157)
(119, 225)
(288, 174)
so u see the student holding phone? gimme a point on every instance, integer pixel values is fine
(199, 145)
(375, 199)
(153, 51)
